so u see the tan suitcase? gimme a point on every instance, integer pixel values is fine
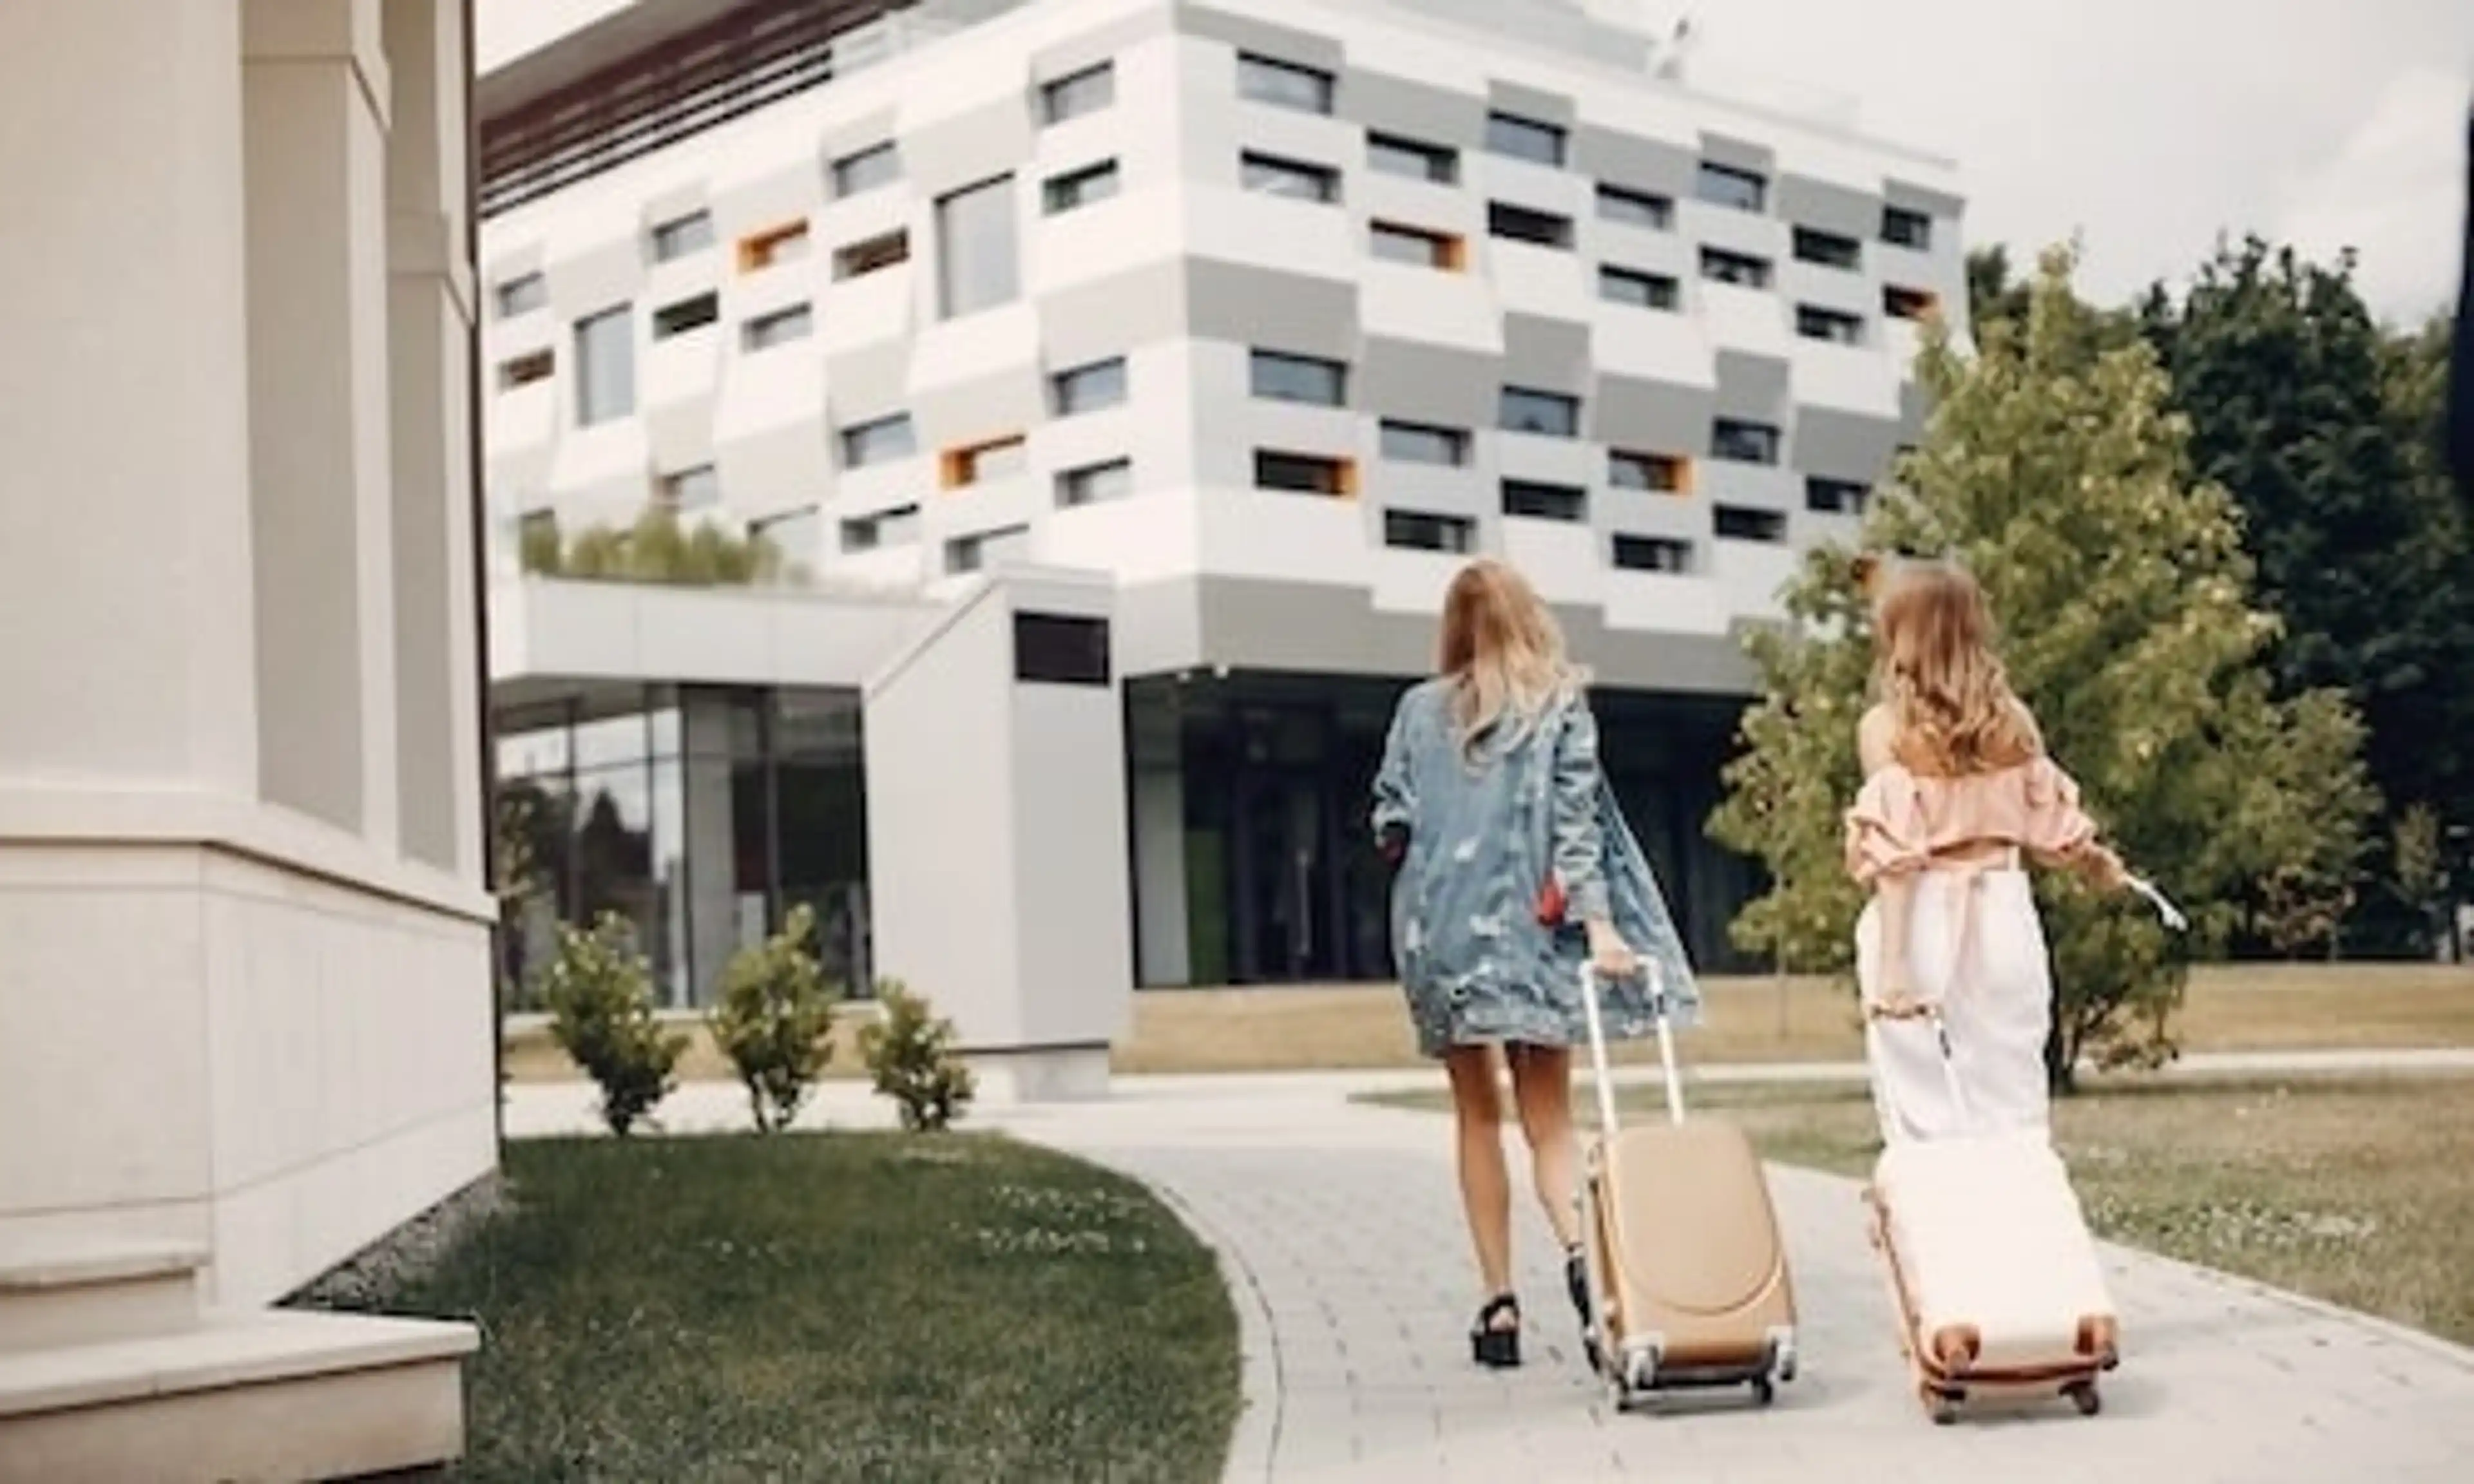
(1688, 1283)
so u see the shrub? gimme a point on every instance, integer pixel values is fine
(911, 1056)
(775, 1020)
(599, 992)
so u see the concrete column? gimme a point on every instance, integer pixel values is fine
(314, 108)
(711, 832)
(127, 664)
(1159, 876)
(430, 313)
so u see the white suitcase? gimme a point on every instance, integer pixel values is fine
(1996, 1280)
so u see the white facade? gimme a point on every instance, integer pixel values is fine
(1133, 167)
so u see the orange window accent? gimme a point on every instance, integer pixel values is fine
(959, 468)
(773, 245)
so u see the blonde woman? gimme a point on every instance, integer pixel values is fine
(1958, 800)
(1514, 869)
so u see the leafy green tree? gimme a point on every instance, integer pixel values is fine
(775, 1020)
(2054, 471)
(2326, 431)
(599, 991)
(911, 1055)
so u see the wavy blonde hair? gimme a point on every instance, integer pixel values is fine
(1934, 666)
(1502, 652)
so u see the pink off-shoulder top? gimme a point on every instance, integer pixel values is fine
(1906, 821)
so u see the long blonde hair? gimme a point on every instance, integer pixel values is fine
(1934, 664)
(1502, 652)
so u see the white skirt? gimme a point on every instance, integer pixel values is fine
(1998, 1005)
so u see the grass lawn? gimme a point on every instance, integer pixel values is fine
(2358, 1190)
(2232, 1007)
(842, 1307)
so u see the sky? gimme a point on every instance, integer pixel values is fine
(2150, 127)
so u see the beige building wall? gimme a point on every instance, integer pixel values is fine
(244, 931)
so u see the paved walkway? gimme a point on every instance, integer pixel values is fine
(1341, 1231)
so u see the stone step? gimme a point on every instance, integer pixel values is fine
(85, 1290)
(262, 1395)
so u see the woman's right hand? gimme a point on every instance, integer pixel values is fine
(1609, 956)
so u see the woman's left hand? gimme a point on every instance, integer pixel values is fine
(1609, 956)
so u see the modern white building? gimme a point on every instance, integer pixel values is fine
(1268, 312)
(245, 976)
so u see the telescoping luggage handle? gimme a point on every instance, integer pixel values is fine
(1598, 1043)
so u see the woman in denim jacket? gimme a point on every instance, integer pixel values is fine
(1514, 869)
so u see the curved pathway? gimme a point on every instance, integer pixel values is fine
(1340, 1229)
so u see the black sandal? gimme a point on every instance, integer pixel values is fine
(1576, 1282)
(1494, 1346)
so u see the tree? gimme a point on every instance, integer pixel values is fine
(2327, 433)
(2052, 469)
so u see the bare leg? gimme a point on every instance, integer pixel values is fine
(1486, 1187)
(1542, 1086)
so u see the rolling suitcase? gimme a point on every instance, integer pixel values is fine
(1688, 1277)
(1993, 1275)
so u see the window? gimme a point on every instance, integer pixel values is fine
(680, 236)
(1735, 267)
(1298, 378)
(1662, 473)
(1742, 523)
(865, 171)
(1544, 502)
(1906, 303)
(1906, 229)
(1302, 473)
(1725, 185)
(784, 243)
(524, 370)
(691, 488)
(778, 328)
(1416, 247)
(1744, 443)
(864, 257)
(895, 526)
(880, 441)
(1076, 94)
(1089, 387)
(795, 534)
(523, 296)
(1394, 155)
(986, 549)
(962, 467)
(1094, 483)
(1052, 648)
(1524, 139)
(1270, 176)
(1648, 291)
(537, 529)
(975, 238)
(688, 314)
(1836, 496)
(1409, 530)
(1827, 249)
(1522, 225)
(1415, 443)
(1080, 188)
(1549, 413)
(605, 366)
(1653, 554)
(1284, 84)
(1817, 323)
(1636, 208)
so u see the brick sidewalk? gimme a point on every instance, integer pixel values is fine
(1340, 1229)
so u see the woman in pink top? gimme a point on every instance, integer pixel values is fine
(1958, 798)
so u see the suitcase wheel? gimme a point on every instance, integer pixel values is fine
(2085, 1397)
(1940, 1404)
(1763, 1392)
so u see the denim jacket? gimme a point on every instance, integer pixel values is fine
(1484, 831)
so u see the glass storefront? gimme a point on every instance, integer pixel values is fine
(1280, 878)
(701, 815)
